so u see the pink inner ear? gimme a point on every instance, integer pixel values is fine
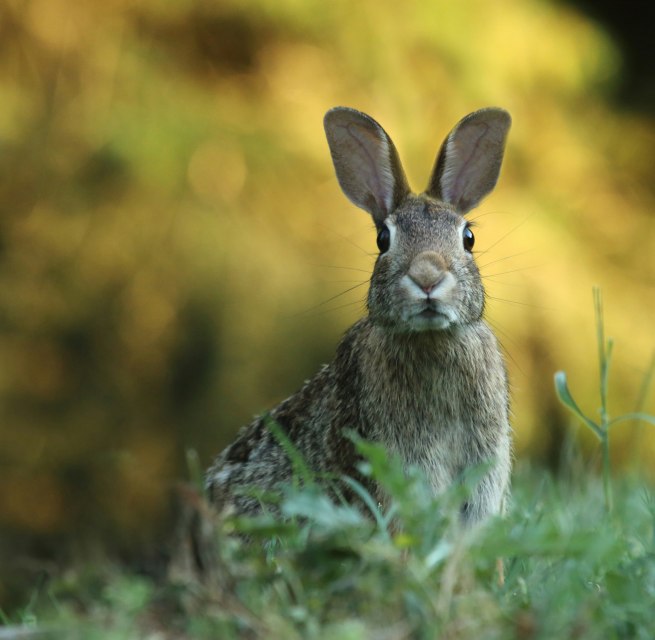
(471, 159)
(370, 157)
(466, 162)
(365, 161)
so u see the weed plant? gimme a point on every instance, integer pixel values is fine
(601, 426)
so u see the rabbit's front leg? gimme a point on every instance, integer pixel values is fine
(489, 496)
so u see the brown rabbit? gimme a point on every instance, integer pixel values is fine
(422, 373)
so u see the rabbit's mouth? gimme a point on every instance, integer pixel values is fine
(429, 313)
(430, 318)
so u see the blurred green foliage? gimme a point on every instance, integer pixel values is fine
(170, 225)
(328, 571)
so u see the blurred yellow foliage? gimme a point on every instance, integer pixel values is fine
(171, 226)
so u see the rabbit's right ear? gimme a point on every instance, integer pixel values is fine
(366, 162)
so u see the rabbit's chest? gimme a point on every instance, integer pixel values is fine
(438, 424)
(439, 402)
(433, 433)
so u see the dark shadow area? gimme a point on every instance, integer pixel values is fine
(630, 24)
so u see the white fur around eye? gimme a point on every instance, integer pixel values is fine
(391, 225)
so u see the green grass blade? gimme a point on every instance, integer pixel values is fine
(600, 329)
(195, 470)
(565, 397)
(605, 373)
(637, 416)
(370, 503)
(640, 404)
(645, 385)
(300, 468)
(604, 354)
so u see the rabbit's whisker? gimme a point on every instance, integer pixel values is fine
(506, 335)
(514, 255)
(501, 282)
(320, 312)
(494, 212)
(331, 266)
(338, 295)
(361, 301)
(522, 304)
(509, 233)
(503, 273)
(349, 240)
(506, 338)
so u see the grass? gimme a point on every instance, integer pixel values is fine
(578, 554)
(571, 571)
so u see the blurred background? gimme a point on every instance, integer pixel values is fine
(176, 255)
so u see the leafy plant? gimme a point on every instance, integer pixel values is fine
(409, 572)
(601, 426)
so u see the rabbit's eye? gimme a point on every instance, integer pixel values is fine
(384, 238)
(468, 239)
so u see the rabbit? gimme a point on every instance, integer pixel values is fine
(422, 373)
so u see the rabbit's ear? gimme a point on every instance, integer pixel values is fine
(469, 160)
(366, 162)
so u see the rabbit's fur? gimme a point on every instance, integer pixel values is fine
(422, 373)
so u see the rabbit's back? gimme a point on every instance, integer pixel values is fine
(314, 421)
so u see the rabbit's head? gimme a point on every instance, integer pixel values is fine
(425, 277)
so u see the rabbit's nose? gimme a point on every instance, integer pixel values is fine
(427, 271)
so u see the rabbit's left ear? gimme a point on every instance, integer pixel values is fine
(468, 163)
